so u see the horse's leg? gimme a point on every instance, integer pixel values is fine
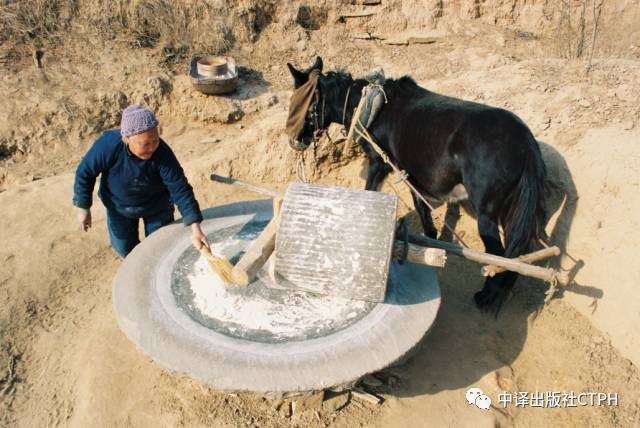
(451, 217)
(425, 217)
(496, 288)
(377, 172)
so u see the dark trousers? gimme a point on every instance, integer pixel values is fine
(123, 231)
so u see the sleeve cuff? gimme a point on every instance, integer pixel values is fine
(189, 220)
(82, 204)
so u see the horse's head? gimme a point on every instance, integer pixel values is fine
(307, 115)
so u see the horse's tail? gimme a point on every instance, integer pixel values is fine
(525, 215)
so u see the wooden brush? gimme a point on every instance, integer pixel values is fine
(219, 266)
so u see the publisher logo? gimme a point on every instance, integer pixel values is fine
(478, 398)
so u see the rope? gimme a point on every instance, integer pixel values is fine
(553, 287)
(379, 86)
(300, 170)
(354, 120)
(395, 190)
(406, 204)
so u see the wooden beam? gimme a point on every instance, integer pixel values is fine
(259, 255)
(256, 256)
(545, 253)
(513, 265)
(271, 268)
(422, 255)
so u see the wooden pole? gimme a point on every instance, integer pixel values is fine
(259, 252)
(422, 255)
(248, 186)
(271, 268)
(256, 256)
(545, 253)
(277, 206)
(513, 265)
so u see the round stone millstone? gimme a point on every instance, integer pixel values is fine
(261, 338)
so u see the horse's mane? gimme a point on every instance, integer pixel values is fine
(340, 75)
(404, 82)
(339, 79)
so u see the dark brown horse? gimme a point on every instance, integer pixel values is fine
(452, 150)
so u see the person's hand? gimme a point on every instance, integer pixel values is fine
(84, 218)
(198, 238)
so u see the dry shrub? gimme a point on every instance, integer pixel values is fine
(577, 27)
(32, 23)
(311, 18)
(176, 26)
(28, 20)
(7, 149)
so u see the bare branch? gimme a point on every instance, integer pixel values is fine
(581, 29)
(597, 11)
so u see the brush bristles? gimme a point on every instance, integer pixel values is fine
(221, 267)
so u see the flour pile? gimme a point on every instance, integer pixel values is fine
(281, 313)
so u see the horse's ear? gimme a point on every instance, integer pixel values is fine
(299, 77)
(318, 64)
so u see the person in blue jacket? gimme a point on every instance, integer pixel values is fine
(140, 178)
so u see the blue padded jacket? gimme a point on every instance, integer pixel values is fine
(134, 187)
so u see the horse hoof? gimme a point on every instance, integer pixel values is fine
(489, 300)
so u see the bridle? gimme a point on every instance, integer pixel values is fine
(318, 123)
(319, 127)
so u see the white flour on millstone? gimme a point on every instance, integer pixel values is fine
(296, 313)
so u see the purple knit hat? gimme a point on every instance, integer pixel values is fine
(136, 119)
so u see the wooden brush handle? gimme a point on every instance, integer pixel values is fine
(206, 251)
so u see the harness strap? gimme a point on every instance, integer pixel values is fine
(368, 107)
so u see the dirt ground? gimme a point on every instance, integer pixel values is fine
(63, 360)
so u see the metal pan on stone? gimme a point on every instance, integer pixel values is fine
(213, 75)
(212, 66)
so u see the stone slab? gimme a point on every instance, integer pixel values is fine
(150, 314)
(336, 241)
